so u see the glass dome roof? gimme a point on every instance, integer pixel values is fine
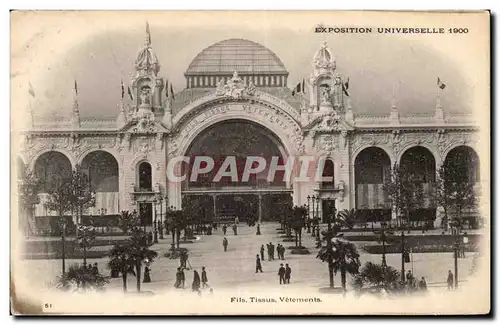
(243, 56)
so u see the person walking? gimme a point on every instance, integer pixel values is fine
(258, 265)
(288, 273)
(178, 280)
(196, 281)
(272, 251)
(204, 279)
(235, 230)
(224, 229)
(278, 251)
(147, 275)
(258, 229)
(268, 251)
(262, 252)
(282, 252)
(281, 274)
(183, 278)
(225, 243)
(450, 280)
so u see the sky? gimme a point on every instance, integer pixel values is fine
(379, 67)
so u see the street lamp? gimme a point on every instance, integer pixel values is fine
(318, 239)
(160, 224)
(456, 251)
(62, 225)
(154, 223)
(308, 215)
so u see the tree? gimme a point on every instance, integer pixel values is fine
(121, 263)
(131, 255)
(347, 218)
(376, 277)
(344, 257)
(455, 192)
(327, 254)
(29, 187)
(81, 278)
(297, 222)
(128, 220)
(85, 239)
(82, 195)
(405, 190)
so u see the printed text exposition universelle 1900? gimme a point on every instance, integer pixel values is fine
(389, 30)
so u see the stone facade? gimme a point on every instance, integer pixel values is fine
(323, 123)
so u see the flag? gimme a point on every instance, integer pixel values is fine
(31, 91)
(76, 88)
(123, 89)
(345, 87)
(440, 84)
(130, 93)
(148, 33)
(298, 88)
(172, 92)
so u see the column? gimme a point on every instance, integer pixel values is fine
(260, 207)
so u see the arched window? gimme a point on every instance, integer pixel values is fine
(328, 172)
(145, 176)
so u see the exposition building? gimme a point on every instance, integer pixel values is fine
(238, 102)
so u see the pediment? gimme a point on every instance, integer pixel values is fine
(328, 123)
(144, 126)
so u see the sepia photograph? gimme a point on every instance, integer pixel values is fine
(250, 163)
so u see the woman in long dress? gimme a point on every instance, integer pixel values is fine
(147, 276)
(196, 281)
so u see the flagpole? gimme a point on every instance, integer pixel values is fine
(438, 94)
(32, 116)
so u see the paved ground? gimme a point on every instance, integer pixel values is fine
(236, 267)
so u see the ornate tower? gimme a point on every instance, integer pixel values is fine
(146, 85)
(326, 86)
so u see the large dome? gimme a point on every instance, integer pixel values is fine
(239, 55)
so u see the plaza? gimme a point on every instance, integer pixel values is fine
(236, 267)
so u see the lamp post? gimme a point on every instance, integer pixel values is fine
(318, 239)
(456, 252)
(62, 225)
(172, 228)
(308, 215)
(403, 255)
(160, 225)
(155, 238)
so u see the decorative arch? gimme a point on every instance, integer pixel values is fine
(65, 152)
(86, 152)
(211, 99)
(469, 156)
(421, 162)
(103, 170)
(181, 142)
(408, 146)
(49, 164)
(385, 148)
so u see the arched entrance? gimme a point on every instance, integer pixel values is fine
(419, 164)
(102, 170)
(51, 168)
(372, 167)
(461, 167)
(228, 190)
